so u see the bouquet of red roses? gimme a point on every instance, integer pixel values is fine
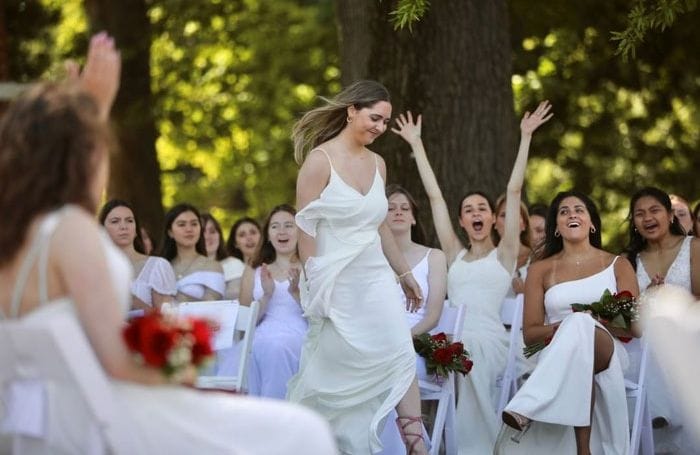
(441, 356)
(168, 343)
(617, 310)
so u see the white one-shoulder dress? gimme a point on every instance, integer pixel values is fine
(358, 359)
(161, 419)
(557, 395)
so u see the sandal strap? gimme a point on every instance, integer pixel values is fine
(402, 423)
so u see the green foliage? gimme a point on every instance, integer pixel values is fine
(408, 12)
(647, 16)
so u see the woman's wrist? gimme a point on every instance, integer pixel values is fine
(404, 274)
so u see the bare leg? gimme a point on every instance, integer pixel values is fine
(603, 350)
(409, 406)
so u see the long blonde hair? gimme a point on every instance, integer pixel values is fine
(325, 122)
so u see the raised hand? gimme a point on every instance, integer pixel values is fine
(414, 295)
(531, 122)
(293, 289)
(100, 76)
(266, 280)
(407, 129)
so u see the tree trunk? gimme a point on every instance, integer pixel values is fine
(135, 173)
(455, 69)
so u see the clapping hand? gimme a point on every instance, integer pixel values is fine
(657, 280)
(407, 129)
(100, 76)
(266, 281)
(294, 275)
(531, 122)
(414, 295)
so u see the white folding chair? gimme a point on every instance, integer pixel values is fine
(245, 323)
(641, 435)
(451, 322)
(508, 381)
(50, 369)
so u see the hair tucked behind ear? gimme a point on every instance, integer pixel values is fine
(325, 122)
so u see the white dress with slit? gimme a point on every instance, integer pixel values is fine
(358, 359)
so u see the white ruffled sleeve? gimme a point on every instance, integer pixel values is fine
(161, 277)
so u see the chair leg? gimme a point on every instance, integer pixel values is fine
(450, 431)
(647, 436)
(438, 425)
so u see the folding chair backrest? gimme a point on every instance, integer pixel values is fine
(451, 321)
(510, 375)
(52, 355)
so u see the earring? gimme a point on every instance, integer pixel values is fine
(349, 119)
(556, 233)
(593, 229)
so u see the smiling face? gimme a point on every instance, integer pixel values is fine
(121, 226)
(211, 238)
(185, 229)
(651, 219)
(282, 232)
(247, 239)
(400, 215)
(476, 217)
(368, 123)
(573, 220)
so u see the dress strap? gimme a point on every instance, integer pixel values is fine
(461, 254)
(327, 156)
(39, 248)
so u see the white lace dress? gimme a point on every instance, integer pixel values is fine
(662, 400)
(358, 359)
(168, 419)
(557, 395)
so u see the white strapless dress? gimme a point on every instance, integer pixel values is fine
(557, 395)
(175, 419)
(358, 359)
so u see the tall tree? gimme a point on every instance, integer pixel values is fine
(135, 173)
(454, 67)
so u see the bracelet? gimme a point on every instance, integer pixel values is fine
(404, 274)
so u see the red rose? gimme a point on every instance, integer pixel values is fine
(443, 356)
(201, 331)
(467, 365)
(625, 339)
(132, 334)
(624, 295)
(156, 342)
(456, 348)
(439, 337)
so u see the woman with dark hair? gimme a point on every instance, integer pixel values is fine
(155, 280)
(56, 264)
(216, 250)
(525, 249)
(662, 253)
(578, 381)
(198, 277)
(696, 220)
(244, 239)
(358, 361)
(681, 210)
(538, 220)
(273, 280)
(478, 277)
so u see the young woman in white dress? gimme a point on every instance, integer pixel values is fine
(198, 277)
(214, 244)
(358, 361)
(155, 280)
(662, 254)
(244, 240)
(273, 280)
(429, 267)
(55, 261)
(575, 398)
(478, 277)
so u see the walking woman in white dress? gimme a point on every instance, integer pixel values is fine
(199, 277)
(662, 253)
(155, 283)
(575, 398)
(273, 281)
(478, 277)
(358, 362)
(56, 262)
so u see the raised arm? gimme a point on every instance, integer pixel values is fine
(100, 76)
(510, 243)
(410, 131)
(312, 179)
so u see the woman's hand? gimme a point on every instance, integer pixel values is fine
(100, 76)
(531, 122)
(293, 289)
(407, 129)
(657, 280)
(414, 295)
(267, 282)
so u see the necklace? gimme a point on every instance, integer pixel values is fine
(578, 260)
(182, 272)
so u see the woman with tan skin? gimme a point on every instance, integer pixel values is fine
(479, 278)
(559, 400)
(662, 254)
(198, 277)
(358, 361)
(154, 284)
(681, 210)
(56, 263)
(214, 244)
(524, 251)
(244, 239)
